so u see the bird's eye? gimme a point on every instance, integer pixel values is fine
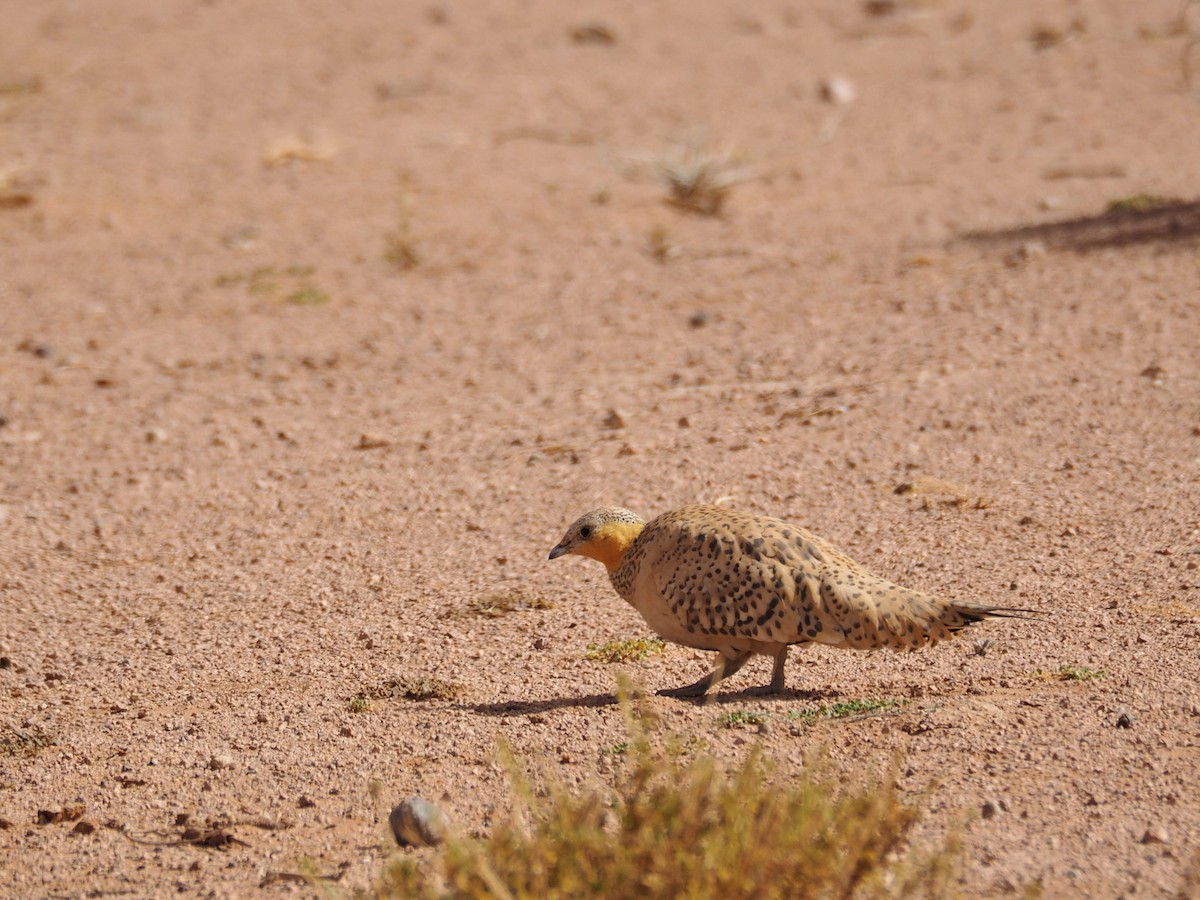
(585, 532)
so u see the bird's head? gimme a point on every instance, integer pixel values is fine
(603, 534)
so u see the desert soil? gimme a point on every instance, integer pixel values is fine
(319, 323)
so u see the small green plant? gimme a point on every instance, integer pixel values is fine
(359, 703)
(294, 284)
(618, 749)
(1139, 203)
(493, 606)
(308, 295)
(847, 709)
(1069, 673)
(739, 717)
(673, 825)
(626, 650)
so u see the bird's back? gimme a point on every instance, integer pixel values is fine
(707, 576)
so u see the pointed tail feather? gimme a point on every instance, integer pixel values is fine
(972, 613)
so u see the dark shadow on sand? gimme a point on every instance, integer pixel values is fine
(719, 698)
(1138, 220)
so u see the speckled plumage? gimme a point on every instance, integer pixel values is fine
(725, 580)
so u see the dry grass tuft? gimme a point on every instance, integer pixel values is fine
(679, 826)
(493, 606)
(698, 179)
(23, 743)
(409, 688)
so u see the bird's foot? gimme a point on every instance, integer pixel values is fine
(688, 691)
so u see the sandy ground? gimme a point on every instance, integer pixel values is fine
(311, 329)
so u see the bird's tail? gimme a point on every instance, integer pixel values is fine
(960, 615)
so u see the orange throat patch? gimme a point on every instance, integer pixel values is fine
(610, 543)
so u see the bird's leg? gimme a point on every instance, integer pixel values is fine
(777, 680)
(726, 666)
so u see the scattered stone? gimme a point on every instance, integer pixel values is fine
(593, 33)
(698, 319)
(220, 761)
(837, 90)
(990, 809)
(371, 442)
(1125, 720)
(418, 823)
(614, 420)
(306, 803)
(54, 816)
(880, 8)
(1030, 250)
(1155, 834)
(41, 351)
(83, 828)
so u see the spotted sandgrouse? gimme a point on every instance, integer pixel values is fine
(724, 580)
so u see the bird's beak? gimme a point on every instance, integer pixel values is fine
(558, 551)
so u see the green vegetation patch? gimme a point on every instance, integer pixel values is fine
(740, 717)
(626, 650)
(1069, 673)
(848, 709)
(1140, 203)
(295, 284)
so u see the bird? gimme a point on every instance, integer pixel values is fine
(721, 579)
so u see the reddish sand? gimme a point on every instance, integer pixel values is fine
(310, 330)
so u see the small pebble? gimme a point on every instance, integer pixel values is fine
(1155, 834)
(1125, 720)
(837, 90)
(221, 761)
(614, 419)
(990, 809)
(593, 33)
(418, 823)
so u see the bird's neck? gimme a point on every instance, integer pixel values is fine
(611, 542)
